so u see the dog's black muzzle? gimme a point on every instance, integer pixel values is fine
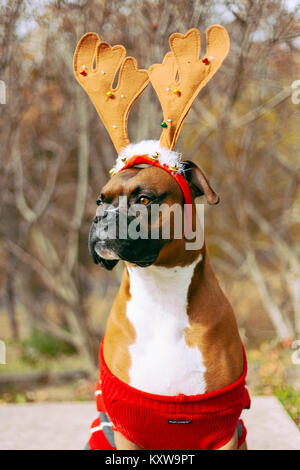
(110, 240)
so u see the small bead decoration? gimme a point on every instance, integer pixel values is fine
(169, 120)
(112, 171)
(124, 159)
(83, 71)
(167, 89)
(155, 156)
(114, 126)
(205, 61)
(174, 167)
(95, 220)
(109, 94)
(211, 57)
(176, 91)
(122, 96)
(164, 124)
(102, 71)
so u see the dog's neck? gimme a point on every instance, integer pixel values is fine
(162, 329)
(163, 290)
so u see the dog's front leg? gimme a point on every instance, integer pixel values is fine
(124, 444)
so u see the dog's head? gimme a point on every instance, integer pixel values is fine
(140, 213)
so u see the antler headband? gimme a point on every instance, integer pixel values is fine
(177, 96)
(112, 105)
(177, 82)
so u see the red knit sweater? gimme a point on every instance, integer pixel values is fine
(205, 421)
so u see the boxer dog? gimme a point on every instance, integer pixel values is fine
(172, 364)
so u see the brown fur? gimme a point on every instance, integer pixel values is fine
(119, 334)
(213, 326)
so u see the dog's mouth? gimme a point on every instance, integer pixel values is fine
(103, 252)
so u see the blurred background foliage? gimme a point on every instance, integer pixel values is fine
(243, 130)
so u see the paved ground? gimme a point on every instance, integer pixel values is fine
(65, 426)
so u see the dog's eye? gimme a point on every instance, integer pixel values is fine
(99, 202)
(143, 200)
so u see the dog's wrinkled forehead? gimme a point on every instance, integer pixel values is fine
(134, 181)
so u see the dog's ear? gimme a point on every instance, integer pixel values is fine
(198, 183)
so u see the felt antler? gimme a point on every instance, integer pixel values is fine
(177, 96)
(112, 104)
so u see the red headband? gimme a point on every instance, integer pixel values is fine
(179, 178)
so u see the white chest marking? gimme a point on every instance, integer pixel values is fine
(161, 361)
